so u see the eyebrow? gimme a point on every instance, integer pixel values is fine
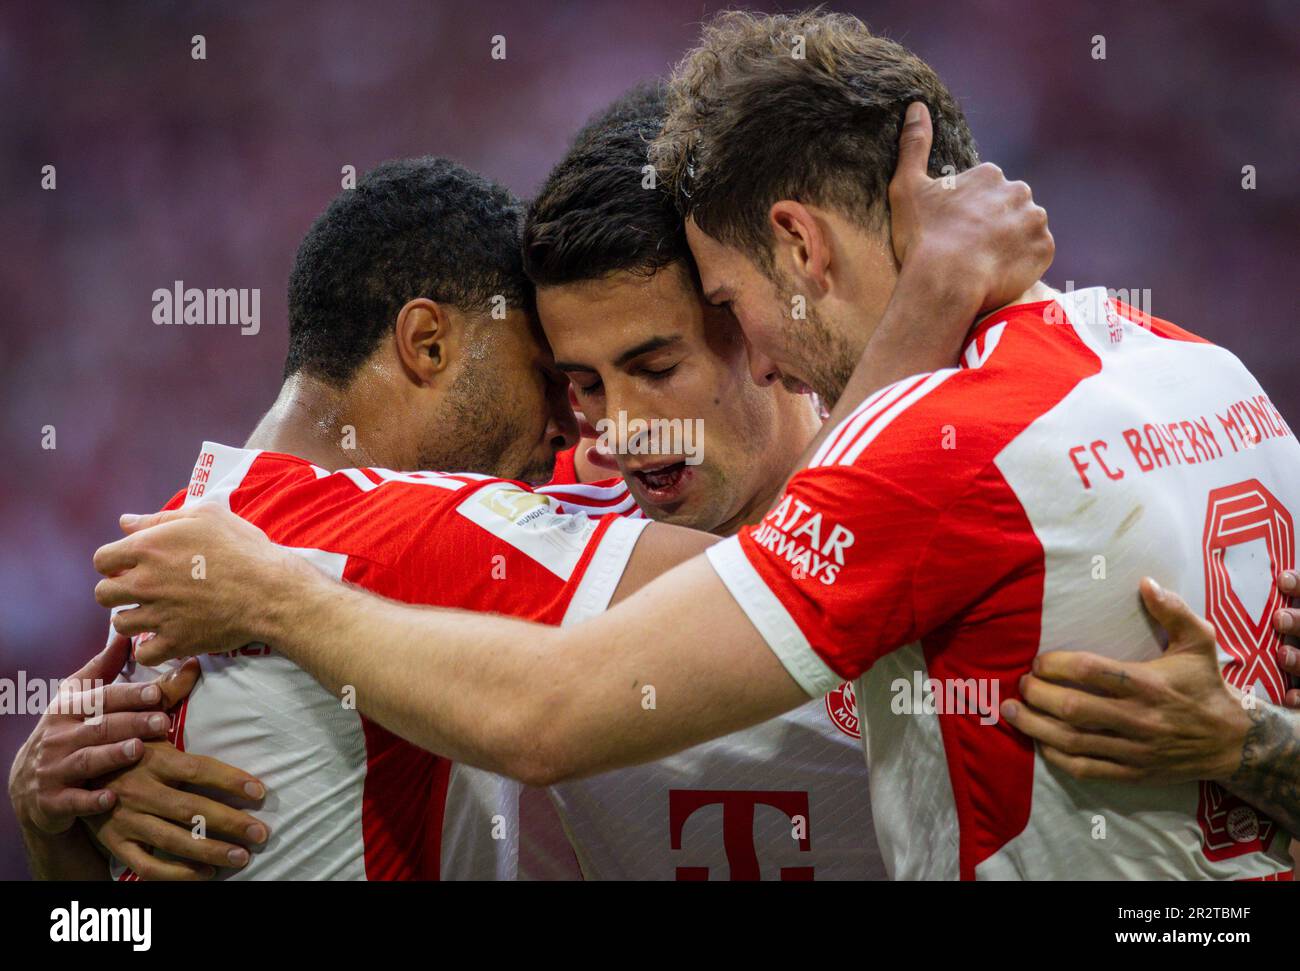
(571, 366)
(645, 347)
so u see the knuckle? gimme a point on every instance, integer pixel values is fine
(1086, 667)
(1069, 708)
(127, 788)
(1081, 769)
(1148, 726)
(1071, 742)
(187, 769)
(81, 762)
(43, 775)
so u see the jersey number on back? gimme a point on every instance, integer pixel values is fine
(1238, 514)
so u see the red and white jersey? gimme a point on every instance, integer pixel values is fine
(346, 798)
(605, 497)
(959, 523)
(779, 801)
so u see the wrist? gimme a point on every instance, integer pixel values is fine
(293, 591)
(944, 277)
(1236, 724)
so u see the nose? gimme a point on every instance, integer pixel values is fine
(585, 428)
(761, 368)
(562, 426)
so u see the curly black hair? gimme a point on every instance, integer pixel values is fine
(421, 227)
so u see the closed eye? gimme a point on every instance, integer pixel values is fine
(658, 375)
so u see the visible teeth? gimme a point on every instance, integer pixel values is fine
(661, 478)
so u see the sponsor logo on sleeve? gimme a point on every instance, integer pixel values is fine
(809, 541)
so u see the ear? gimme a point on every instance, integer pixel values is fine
(801, 243)
(426, 336)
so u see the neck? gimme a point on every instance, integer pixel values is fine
(316, 421)
(799, 426)
(1038, 292)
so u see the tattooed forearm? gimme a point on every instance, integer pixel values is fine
(1268, 776)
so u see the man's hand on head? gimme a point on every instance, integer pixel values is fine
(205, 581)
(982, 233)
(966, 244)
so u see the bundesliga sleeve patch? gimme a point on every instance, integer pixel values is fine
(529, 522)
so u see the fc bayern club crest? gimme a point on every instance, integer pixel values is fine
(842, 706)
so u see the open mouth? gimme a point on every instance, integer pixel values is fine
(794, 385)
(664, 483)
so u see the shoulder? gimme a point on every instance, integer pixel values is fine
(374, 513)
(933, 434)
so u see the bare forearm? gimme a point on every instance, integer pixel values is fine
(64, 856)
(538, 703)
(1268, 775)
(456, 683)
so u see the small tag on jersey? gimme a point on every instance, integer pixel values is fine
(530, 523)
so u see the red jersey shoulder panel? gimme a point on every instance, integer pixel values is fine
(845, 550)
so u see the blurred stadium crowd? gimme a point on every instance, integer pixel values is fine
(209, 172)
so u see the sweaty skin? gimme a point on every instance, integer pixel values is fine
(153, 802)
(1252, 751)
(574, 695)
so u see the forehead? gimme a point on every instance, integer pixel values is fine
(717, 263)
(599, 318)
(517, 334)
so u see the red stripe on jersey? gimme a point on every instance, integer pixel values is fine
(993, 774)
(1161, 328)
(614, 493)
(433, 837)
(880, 406)
(917, 510)
(395, 820)
(566, 467)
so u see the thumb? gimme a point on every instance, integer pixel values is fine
(153, 651)
(176, 684)
(133, 523)
(105, 665)
(1186, 629)
(914, 144)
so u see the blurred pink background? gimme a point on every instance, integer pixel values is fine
(211, 171)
